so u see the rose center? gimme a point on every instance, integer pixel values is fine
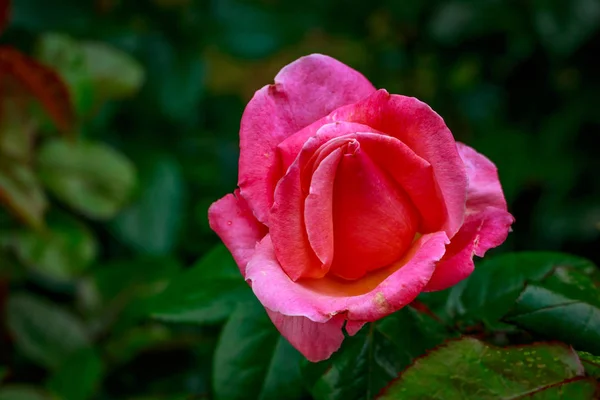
(374, 221)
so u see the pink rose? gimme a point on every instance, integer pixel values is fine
(352, 201)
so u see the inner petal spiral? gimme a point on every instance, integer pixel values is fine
(374, 221)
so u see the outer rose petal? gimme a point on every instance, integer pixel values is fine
(316, 341)
(233, 221)
(304, 91)
(486, 225)
(480, 232)
(484, 188)
(368, 299)
(352, 327)
(239, 230)
(423, 131)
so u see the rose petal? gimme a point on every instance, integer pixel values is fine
(318, 208)
(287, 224)
(486, 225)
(374, 220)
(413, 174)
(292, 246)
(422, 130)
(352, 327)
(304, 91)
(237, 227)
(479, 233)
(368, 299)
(316, 341)
(484, 188)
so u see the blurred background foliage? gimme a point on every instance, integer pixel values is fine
(105, 181)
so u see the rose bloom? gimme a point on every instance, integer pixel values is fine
(351, 202)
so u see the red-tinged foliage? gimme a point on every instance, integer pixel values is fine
(42, 83)
(4, 13)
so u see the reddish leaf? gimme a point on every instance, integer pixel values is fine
(4, 13)
(471, 369)
(43, 83)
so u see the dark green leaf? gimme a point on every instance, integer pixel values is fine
(489, 293)
(375, 356)
(92, 178)
(61, 252)
(208, 292)
(124, 348)
(44, 332)
(252, 357)
(591, 364)
(563, 306)
(468, 368)
(151, 225)
(9, 266)
(117, 294)
(22, 392)
(78, 376)
(577, 389)
(133, 277)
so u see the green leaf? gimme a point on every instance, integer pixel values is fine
(78, 376)
(137, 277)
(61, 252)
(115, 74)
(206, 293)
(44, 332)
(124, 348)
(468, 368)
(66, 57)
(564, 306)
(92, 178)
(489, 293)
(151, 225)
(21, 191)
(591, 363)
(22, 392)
(578, 389)
(118, 293)
(10, 268)
(375, 356)
(93, 71)
(252, 357)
